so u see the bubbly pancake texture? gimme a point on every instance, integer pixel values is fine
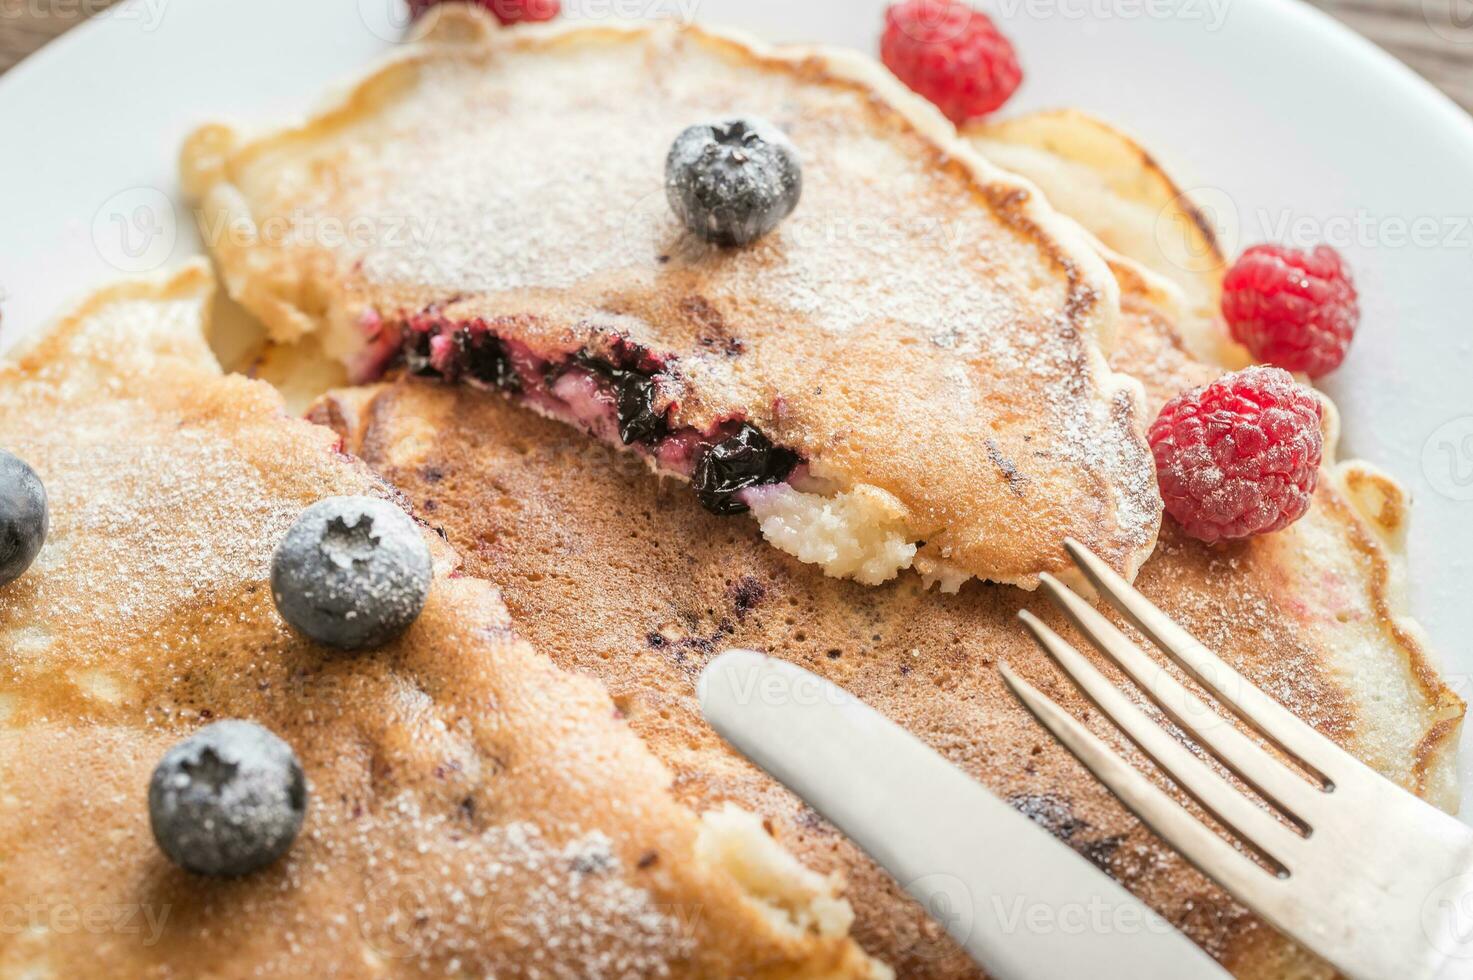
(474, 810)
(628, 581)
(924, 332)
(631, 582)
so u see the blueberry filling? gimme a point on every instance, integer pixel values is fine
(417, 355)
(634, 401)
(486, 360)
(618, 392)
(638, 420)
(745, 460)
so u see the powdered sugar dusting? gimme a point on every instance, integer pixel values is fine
(514, 181)
(905, 313)
(473, 810)
(551, 906)
(121, 500)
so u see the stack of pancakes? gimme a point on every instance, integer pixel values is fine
(529, 789)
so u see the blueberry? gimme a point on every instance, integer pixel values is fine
(487, 361)
(228, 800)
(353, 572)
(747, 459)
(24, 519)
(417, 355)
(731, 182)
(634, 399)
(638, 420)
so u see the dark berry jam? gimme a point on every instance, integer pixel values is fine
(744, 460)
(485, 359)
(619, 391)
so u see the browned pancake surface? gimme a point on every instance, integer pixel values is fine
(474, 810)
(923, 324)
(623, 577)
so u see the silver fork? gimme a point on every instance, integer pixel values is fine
(1373, 879)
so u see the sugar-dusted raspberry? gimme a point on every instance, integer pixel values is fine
(1240, 456)
(951, 54)
(506, 11)
(1292, 309)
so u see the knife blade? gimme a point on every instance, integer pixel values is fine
(1023, 904)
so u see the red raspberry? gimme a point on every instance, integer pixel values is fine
(951, 54)
(1240, 456)
(506, 11)
(1296, 310)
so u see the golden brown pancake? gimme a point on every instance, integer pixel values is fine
(1112, 185)
(474, 811)
(619, 576)
(924, 332)
(1171, 273)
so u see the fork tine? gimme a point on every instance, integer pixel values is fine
(1212, 855)
(1272, 779)
(1272, 720)
(1274, 841)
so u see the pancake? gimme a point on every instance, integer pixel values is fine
(923, 335)
(621, 578)
(474, 810)
(1112, 185)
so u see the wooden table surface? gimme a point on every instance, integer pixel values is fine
(1435, 37)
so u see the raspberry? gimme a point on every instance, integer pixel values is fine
(1240, 456)
(951, 54)
(506, 11)
(1295, 310)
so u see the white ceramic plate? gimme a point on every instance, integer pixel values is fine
(1292, 128)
